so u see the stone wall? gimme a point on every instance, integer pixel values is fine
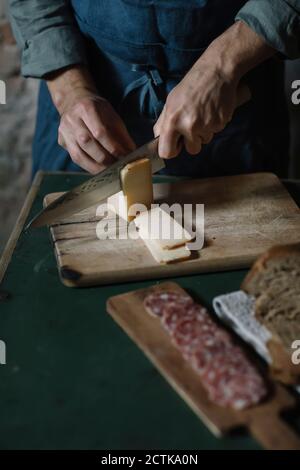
(17, 119)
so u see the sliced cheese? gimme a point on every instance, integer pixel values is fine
(164, 237)
(167, 256)
(137, 189)
(163, 231)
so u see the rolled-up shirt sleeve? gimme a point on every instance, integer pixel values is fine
(48, 35)
(277, 21)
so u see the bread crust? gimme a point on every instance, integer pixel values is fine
(282, 367)
(276, 251)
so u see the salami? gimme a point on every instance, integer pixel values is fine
(172, 314)
(175, 313)
(232, 383)
(226, 373)
(196, 331)
(155, 303)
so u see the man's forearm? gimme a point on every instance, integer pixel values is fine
(237, 51)
(66, 84)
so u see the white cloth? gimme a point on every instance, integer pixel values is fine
(237, 311)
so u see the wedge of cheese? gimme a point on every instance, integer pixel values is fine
(164, 237)
(164, 231)
(137, 189)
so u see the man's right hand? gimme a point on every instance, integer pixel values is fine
(90, 129)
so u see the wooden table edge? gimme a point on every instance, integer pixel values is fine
(17, 230)
(21, 219)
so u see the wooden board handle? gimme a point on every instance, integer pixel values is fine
(273, 433)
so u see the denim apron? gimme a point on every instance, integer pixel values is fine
(137, 51)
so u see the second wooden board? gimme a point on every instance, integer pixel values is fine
(244, 216)
(263, 420)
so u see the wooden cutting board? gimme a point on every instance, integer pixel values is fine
(263, 420)
(244, 216)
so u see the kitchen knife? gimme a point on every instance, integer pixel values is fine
(96, 189)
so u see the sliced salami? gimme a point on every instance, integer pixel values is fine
(198, 332)
(208, 354)
(231, 388)
(187, 331)
(171, 316)
(230, 379)
(155, 303)
(175, 313)
(227, 374)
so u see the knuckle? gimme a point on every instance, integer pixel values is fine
(99, 132)
(115, 150)
(83, 138)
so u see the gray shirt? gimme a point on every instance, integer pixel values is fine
(50, 39)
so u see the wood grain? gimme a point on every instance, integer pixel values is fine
(262, 420)
(244, 216)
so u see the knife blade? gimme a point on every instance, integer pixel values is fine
(96, 189)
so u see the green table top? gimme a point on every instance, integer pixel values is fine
(73, 379)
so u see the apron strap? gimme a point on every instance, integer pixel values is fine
(151, 84)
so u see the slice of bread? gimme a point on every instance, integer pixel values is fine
(274, 281)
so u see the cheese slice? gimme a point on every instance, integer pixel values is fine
(167, 256)
(164, 237)
(137, 189)
(163, 231)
